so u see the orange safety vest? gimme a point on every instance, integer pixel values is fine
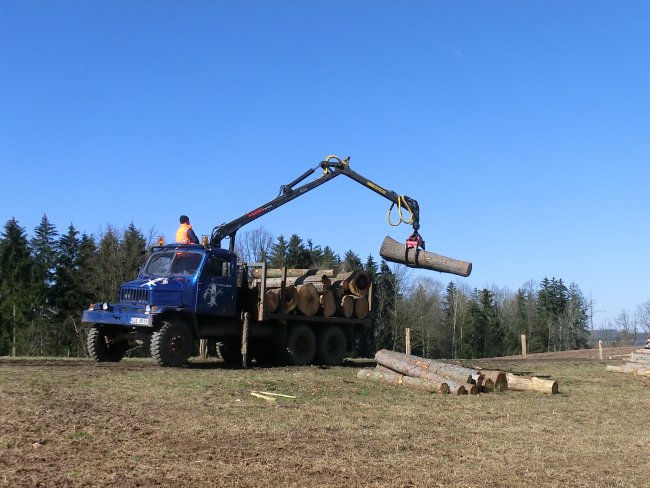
(181, 234)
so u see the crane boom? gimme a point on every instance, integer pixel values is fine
(332, 167)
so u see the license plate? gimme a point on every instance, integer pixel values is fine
(139, 321)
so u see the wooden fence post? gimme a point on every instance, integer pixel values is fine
(600, 349)
(523, 345)
(408, 340)
(244, 340)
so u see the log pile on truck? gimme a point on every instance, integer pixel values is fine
(318, 291)
(435, 376)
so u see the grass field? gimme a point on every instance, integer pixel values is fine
(77, 423)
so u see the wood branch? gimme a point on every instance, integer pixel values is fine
(293, 272)
(495, 380)
(346, 306)
(611, 367)
(396, 252)
(289, 301)
(395, 360)
(361, 307)
(396, 379)
(328, 303)
(308, 299)
(531, 383)
(272, 300)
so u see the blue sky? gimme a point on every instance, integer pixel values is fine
(520, 127)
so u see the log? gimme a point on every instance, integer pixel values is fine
(398, 361)
(531, 383)
(328, 303)
(289, 301)
(272, 300)
(322, 282)
(337, 288)
(355, 282)
(361, 307)
(395, 379)
(346, 306)
(293, 272)
(308, 299)
(495, 380)
(396, 252)
(636, 368)
(386, 359)
(640, 358)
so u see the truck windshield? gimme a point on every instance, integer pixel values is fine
(173, 262)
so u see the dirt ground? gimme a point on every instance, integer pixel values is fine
(77, 423)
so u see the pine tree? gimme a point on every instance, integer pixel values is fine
(371, 267)
(298, 256)
(133, 249)
(385, 299)
(351, 262)
(15, 292)
(278, 256)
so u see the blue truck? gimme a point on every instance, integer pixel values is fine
(188, 292)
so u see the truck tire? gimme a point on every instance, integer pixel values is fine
(332, 346)
(301, 345)
(171, 345)
(102, 348)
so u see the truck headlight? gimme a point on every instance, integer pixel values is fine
(105, 306)
(147, 309)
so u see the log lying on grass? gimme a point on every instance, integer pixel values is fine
(395, 379)
(396, 252)
(494, 380)
(408, 365)
(531, 383)
(401, 362)
(638, 363)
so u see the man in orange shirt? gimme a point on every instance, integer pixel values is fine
(185, 234)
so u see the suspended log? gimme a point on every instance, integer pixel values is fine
(531, 383)
(308, 299)
(327, 303)
(289, 301)
(495, 380)
(396, 379)
(272, 300)
(392, 359)
(396, 252)
(395, 362)
(293, 272)
(346, 306)
(361, 307)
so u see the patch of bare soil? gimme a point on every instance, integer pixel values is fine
(77, 423)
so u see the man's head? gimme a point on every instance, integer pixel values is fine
(184, 219)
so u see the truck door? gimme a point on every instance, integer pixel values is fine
(216, 289)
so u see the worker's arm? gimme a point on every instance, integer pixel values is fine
(192, 236)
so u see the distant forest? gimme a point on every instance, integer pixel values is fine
(48, 278)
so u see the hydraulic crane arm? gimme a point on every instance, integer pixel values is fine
(332, 167)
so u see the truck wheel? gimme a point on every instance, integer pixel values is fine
(332, 346)
(301, 345)
(102, 348)
(171, 345)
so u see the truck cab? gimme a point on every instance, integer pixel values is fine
(189, 289)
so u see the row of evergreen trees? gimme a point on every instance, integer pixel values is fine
(48, 279)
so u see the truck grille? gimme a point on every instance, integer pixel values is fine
(134, 295)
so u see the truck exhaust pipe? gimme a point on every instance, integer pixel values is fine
(397, 252)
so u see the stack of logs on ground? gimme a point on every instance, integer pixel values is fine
(434, 376)
(637, 363)
(317, 292)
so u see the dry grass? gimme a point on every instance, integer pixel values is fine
(76, 423)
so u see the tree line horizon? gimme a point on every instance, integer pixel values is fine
(48, 279)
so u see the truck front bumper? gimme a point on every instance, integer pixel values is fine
(117, 317)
